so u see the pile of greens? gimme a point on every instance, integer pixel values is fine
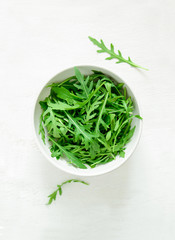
(87, 119)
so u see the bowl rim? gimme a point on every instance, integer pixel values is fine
(49, 158)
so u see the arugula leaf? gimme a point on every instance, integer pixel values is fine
(63, 106)
(80, 129)
(63, 82)
(139, 117)
(101, 112)
(51, 122)
(122, 154)
(65, 94)
(73, 159)
(83, 82)
(88, 138)
(108, 135)
(52, 197)
(92, 108)
(113, 55)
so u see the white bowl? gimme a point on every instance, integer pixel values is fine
(61, 163)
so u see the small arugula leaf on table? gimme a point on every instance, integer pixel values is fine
(113, 54)
(52, 197)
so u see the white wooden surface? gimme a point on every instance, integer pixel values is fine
(38, 38)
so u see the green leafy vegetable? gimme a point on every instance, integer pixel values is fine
(84, 83)
(73, 159)
(87, 120)
(113, 55)
(52, 197)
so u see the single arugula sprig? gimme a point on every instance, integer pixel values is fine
(52, 197)
(87, 119)
(113, 55)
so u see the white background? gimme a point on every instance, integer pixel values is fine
(39, 38)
